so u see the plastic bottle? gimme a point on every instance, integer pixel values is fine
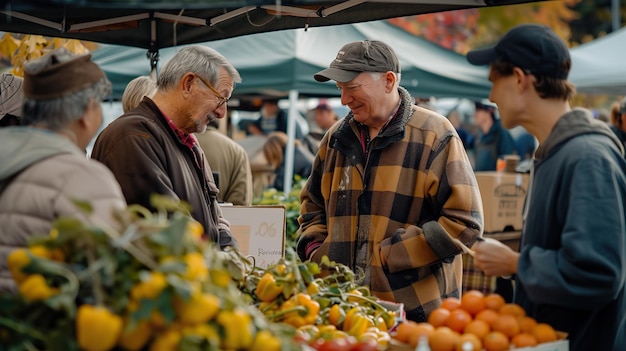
(422, 344)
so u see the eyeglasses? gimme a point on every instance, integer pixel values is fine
(221, 100)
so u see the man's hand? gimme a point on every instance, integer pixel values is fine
(495, 258)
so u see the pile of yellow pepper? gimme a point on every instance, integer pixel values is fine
(322, 303)
(152, 285)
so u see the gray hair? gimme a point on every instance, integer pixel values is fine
(55, 114)
(135, 90)
(198, 59)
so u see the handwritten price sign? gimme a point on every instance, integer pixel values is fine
(259, 230)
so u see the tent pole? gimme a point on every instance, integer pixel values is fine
(291, 132)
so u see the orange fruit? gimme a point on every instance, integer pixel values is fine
(496, 341)
(419, 330)
(526, 324)
(478, 328)
(451, 303)
(458, 320)
(443, 339)
(507, 324)
(488, 316)
(524, 340)
(438, 317)
(512, 309)
(404, 330)
(473, 302)
(469, 338)
(544, 333)
(494, 301)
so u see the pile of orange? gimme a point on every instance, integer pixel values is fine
(486, 321)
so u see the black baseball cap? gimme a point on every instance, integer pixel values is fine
(532, 47)
(357, 57)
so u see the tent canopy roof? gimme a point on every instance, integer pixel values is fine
(597, 66)
(273, 63)
(158, 24)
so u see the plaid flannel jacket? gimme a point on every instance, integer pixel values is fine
(400, 206)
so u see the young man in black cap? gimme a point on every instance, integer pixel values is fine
(571, 268)
(391, 188)
(494, 141)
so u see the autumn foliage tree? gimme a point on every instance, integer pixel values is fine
(21, 48)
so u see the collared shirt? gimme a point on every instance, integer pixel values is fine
(189, 140)
(365, 135)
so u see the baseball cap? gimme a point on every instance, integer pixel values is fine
(532, 47)
(323, 105)
(360, 56)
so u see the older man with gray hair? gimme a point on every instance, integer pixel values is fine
(43, 167)
(152, 149)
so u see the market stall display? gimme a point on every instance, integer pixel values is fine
(153, 283)
(475, 322)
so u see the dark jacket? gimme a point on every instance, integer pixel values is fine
(572, 268)
(493, 145)
(147, 157)
(391, 215)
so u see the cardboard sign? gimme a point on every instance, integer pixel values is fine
(259, 230)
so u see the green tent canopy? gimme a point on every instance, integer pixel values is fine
(274, 63)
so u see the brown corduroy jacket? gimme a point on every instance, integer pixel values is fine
(147, 157)
(391, 216)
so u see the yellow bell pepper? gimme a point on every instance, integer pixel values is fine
(220, 277)
(35, 288)
(167, 341)
(150, 288)
(18, 259)
(135, 339)
(336, 315)
(237, 329)
(265, 341)
(268, 289)
(196, 267)
(97, 329)
(199, 309)
(294, 314)
(359, 325)
(196, 230)
(313, 288)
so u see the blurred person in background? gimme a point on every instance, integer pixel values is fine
(135, 90)
(274, 150)
(230, 165)
(272, 119)
(43, 167)
(494, 141)
(325, 117)
(152, 148)
(618, 120)
(11, 99)
(570, 271)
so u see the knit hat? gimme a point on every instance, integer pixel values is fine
(59, 73)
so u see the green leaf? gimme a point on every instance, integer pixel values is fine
(84, 206)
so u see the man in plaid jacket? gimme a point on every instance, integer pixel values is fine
(391, 189)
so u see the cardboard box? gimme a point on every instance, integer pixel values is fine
(503, 197)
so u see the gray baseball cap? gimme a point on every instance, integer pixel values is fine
(360, 56)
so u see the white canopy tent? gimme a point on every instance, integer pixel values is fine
(597, 66)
